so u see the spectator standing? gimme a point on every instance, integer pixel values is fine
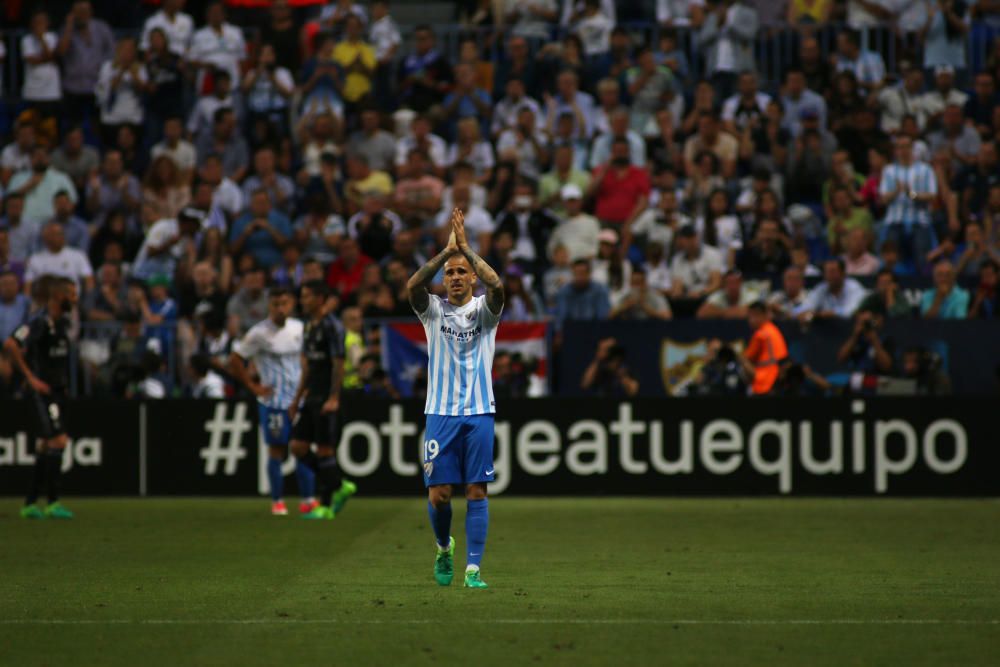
(907, 188)
(709, 138)
(177, 27)
(904, 99)
(425, 75)
(202, 116)
(651, 86)
(946, 300)
(267, 89)
(358, 62)
(867, 66)
(219, 45)
(84, 45)
(248, 305)
(948, 22)
(530, 227)
(166, 243)
(281, 32)
(119, 91)
(384, 35)
(957, 138)
(530, 19)
(434, 147)
(620, 190)
(943, 93)
(42, 87)
(727, 36)
(845, 217)
(467, 101)
(17, 154)
(766, 254)
(746, 106)
(344, 275)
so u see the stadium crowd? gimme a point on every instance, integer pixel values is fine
(177, 170)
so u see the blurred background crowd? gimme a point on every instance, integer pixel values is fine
(646, 159)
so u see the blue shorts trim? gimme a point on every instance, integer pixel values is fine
(458, 450)
(274, 425)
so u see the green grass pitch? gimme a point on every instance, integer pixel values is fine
(572, 581)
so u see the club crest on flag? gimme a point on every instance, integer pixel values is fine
(682, 361)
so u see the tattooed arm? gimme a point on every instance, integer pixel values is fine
(483, 271)
(416, 287)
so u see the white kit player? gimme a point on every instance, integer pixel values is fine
(458, 446)
(275, 346)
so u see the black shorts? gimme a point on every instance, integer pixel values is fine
(49, 415)
(313, 426)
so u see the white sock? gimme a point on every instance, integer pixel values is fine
(472, 568)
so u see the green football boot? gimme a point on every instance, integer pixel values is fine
(444, 564)
(32, 511)
(319, 513)
(472, 580)
(58, 511)
(343, 494)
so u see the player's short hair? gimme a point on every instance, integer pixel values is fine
(278, 291)
(758, 307)
(317, 287)
(581, 262)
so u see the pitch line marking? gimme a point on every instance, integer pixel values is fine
(500, 621)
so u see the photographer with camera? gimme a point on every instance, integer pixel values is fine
(607, 374)
(722, 373)
(925, 367)
(865, 351)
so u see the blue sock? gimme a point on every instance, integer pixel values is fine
(306, 479)
(441, 523)
(276, 479)
(477, 521)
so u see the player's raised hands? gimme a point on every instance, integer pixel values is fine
(458, 229)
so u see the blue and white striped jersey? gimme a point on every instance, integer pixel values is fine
(460, 345)
(276, 353)
(917, 177)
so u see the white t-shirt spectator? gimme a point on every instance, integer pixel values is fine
(183, 154)
(223, 51)
(438, 150)
(570, 6)
(41, 81)
(14, 158)
(528, 24)
(727, 233)
(228, 198)
(264, 97)
(124, 103)
(480, 157)
(595, 33)
(178, 31)
(210, 386)
(203, 114)
(383, 36)
(67, 263)
(695, 273)
(505, 113)
(676, 12)
(527, 156)
(730, 106)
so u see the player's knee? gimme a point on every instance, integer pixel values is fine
(439, 495)
(475, 491)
